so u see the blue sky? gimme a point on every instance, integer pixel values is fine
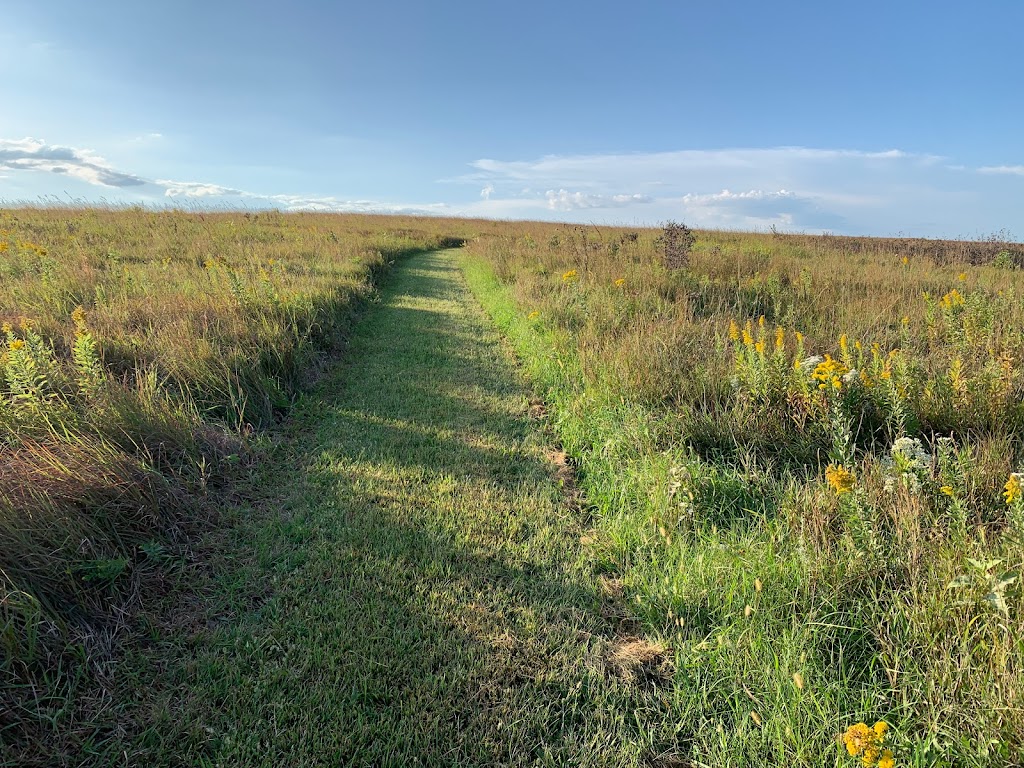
(861, 118)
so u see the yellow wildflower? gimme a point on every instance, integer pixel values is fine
(946, 489)
(734, 331)
(620, 282)
(866, 743)
(1014, 488)
(962, 277)
(533, 315)
(17, 344)
(760, 321)
(952, 299)
(780, 338)
(570, 276)
(840, 478)
(905, 261)
(799, 338)
(748, 340)
(829, 372)
(759, 346)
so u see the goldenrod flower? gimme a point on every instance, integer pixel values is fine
(17, 344)
(946, 489)
(533, 315)
(620, 282)
(952, 299)
(962, 277)
(840, 478)
(905, 261)
(866, 743)
(759, 346)
(734, 331)
(780, 338)
(570, 276)
(829, 372)
(1014, 488)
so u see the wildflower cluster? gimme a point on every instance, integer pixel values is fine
(829, 373)
(570, 276)
(1013, 491)
(841, 479)
(762, 370)
(908, 465)
(868, 743)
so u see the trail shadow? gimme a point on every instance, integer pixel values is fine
(418, 597)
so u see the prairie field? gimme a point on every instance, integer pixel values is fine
(804, 454)
(142, 354)
(571, 495)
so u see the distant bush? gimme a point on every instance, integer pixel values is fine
(676, 240)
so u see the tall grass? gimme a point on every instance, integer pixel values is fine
(802, 451)
(139, 353)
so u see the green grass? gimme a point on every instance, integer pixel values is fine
(142, 356)
(416, 591)
(793, 612)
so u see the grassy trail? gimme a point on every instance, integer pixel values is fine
(417, 595)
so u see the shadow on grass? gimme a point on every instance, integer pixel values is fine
(418, 596)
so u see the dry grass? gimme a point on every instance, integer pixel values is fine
(142, 355)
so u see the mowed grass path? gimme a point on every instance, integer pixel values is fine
(418, 594)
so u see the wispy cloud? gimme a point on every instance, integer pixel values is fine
(1006, 170)
(793, 188)
(35, 155)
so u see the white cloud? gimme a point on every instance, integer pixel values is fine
(563, 200)
(487, 191)
(757, 208)
(885, 191)
(35, 155)
(195, 189)
(1007, 170)
(335, 205)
